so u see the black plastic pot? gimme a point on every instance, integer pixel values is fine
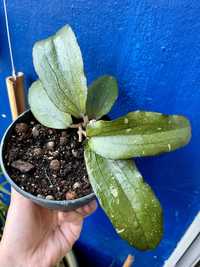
(64, 205)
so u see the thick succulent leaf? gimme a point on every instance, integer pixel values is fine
(101, 96)
(59, 65)
(44, 110)
(138, 134)
(128, 201)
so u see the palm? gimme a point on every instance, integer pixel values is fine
(42, 235)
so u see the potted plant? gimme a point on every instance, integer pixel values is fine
(65, 151)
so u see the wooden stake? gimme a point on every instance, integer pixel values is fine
(129, 261)
(15, 88)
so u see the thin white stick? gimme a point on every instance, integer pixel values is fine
(9, 40)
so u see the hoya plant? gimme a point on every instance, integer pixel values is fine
(61, 99)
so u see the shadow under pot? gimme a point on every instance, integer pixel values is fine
(45, 165)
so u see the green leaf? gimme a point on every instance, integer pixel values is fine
(3, 211)
(3, 207)
(59, 65)
(44, 110)
(2, 220)
(138, 134)
(2, 189)
(101, 96)
(128, 201)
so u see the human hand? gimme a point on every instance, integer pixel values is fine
(35, 236)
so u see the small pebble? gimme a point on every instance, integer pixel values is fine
(74, 153)
(37, 151)
(70, 195)
(50, 145)
(63, 140)
(22, 166)
(50, 131)
(85, 179)
(76, 185)
(35, 132)
(49, 197)
(55, 153)
(54, 165)
(21, 128)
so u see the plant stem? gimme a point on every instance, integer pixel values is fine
(75, 126)
(85, 121)
(81, 128)
(81, 133)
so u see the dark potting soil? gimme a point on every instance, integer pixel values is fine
(46, 162)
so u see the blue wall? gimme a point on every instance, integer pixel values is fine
(153, 48)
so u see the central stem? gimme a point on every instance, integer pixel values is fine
(81, 133)
(81, 128)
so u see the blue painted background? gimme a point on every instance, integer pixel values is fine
(153, 48)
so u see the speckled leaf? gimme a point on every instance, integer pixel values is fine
(138, 134)
(128, 201)
(44, 110)
(101, 96)
(59, 65)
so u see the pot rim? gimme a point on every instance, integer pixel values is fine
(23, 192)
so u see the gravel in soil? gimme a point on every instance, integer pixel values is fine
(46, 162)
